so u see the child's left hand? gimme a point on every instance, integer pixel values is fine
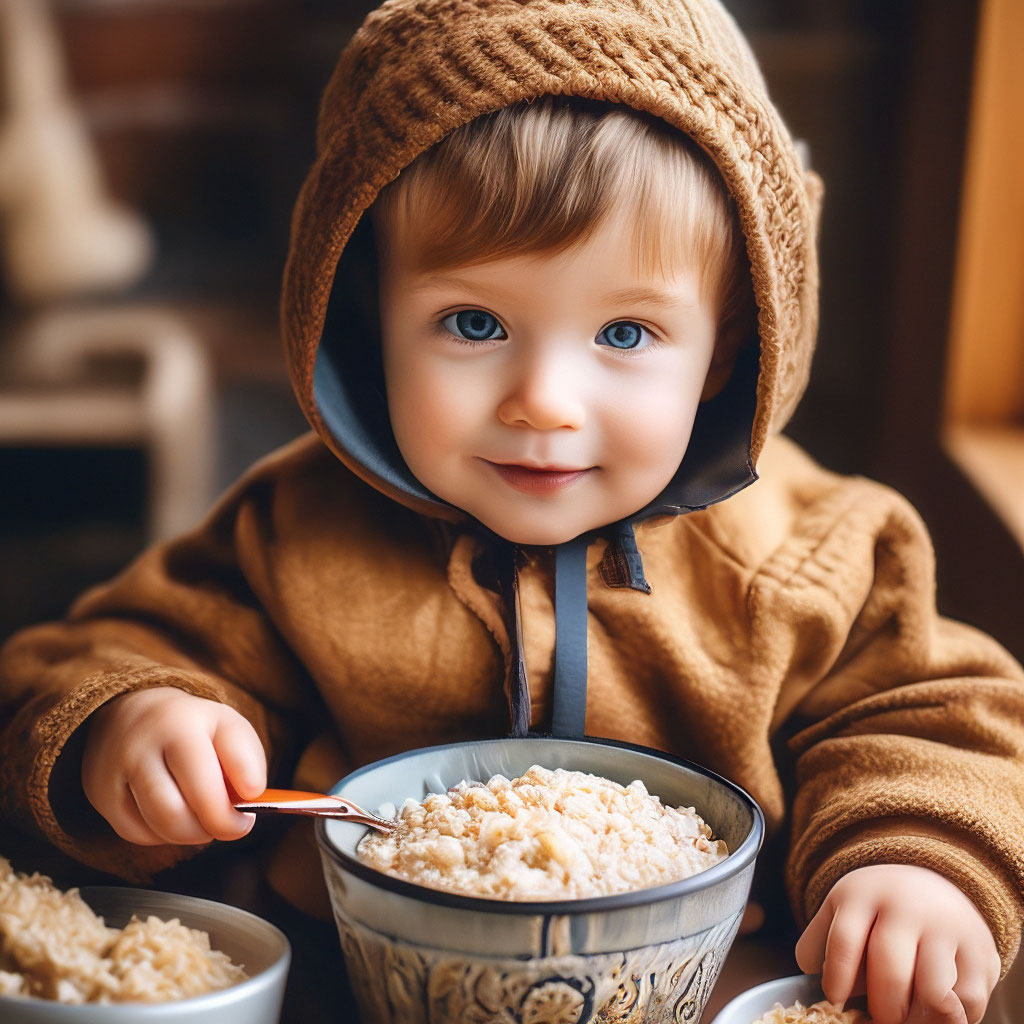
(909, 938)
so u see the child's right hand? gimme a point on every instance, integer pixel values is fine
(155, 765)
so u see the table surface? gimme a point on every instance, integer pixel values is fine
(318, 991)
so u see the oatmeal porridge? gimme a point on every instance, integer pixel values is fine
(53, 946)
(822, 1012)
(547, 835)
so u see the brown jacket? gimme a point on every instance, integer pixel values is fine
(309, 601)
(350, 615)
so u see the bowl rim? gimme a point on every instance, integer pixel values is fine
(733, 864)
(769, 989)
(205, 1001)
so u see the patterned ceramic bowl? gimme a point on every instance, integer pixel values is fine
(419, 955)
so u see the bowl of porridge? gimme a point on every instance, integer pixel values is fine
(794, 1000)
(540, 881)
(108, 954)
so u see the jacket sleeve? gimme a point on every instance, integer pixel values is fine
(910, 746)
(196, 614)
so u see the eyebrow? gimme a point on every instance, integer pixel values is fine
(624, 296)
(651, 296)
(438, 280)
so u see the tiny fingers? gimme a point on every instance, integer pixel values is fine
(949, 1010)
(164, 809)
(977, 975)
(112, 794)
(152, 767)
(934, 975)
(198, 775)
(891, 964)
(845, 950)
(123, 814)
(241, 755)
(810, 947)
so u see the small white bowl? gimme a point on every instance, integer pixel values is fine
(256, 944)
(756, 1002)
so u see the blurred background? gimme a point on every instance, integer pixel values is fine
(150, 154)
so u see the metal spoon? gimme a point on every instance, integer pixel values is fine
(317, 805)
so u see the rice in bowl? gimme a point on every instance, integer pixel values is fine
(547, 835)
(822, 1012)
(53, 946)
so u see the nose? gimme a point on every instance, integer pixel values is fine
(544, 394)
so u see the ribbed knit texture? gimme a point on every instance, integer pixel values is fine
(417, 69)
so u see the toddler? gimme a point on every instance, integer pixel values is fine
(550, 300)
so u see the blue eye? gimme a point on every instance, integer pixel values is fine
(624, 335)
(473, 325)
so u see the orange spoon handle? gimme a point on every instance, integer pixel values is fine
(318, 805)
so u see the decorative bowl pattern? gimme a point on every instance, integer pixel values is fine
(667, 982)
(422, 956)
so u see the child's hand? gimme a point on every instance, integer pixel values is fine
(910, 938)
(155, 764)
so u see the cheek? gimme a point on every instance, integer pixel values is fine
(650, 431)
(408, 402)
(428, 410)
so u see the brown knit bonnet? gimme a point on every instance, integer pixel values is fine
(417, 69)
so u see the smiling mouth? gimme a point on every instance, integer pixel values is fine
(537, 479)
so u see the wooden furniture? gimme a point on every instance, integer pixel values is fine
(980, 560)
(118, 378)
(984, 407)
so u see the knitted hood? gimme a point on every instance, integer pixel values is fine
(418, 69)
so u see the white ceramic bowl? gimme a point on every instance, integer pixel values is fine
(757, 1001)
(419, 955)
(249, 940)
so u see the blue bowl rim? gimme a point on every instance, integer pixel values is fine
(734, 863)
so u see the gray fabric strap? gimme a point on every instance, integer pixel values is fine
(569, 717)
(518, 688)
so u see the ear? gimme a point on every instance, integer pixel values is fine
(723, 359)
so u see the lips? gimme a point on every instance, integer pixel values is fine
(537, 479)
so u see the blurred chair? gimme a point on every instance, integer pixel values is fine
(120, 378)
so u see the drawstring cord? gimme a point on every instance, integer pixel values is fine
(569, 703)
(517, 689)
(520, 703)
(569, 715)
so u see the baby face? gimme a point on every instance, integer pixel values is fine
(545, 395)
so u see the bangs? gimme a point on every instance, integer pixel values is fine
(544, 175)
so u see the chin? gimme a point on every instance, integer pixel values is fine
(542, 535)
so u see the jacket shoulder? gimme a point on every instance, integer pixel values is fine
(302, 474)
(796, 500)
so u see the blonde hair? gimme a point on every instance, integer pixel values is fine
(545, 174)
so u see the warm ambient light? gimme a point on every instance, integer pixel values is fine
(984, 429)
